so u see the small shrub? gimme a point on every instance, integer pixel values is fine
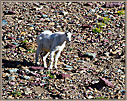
(101, 25)
(16, 93)
(31, 50)
(121, 12)
(48, 72)
(25, 41)
(106, 19)
(97, 30)
(50, 75)
(100, 98)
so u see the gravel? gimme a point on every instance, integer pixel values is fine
(92, 66)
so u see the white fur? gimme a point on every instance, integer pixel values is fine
(51, 43)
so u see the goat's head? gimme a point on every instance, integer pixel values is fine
(68, 35)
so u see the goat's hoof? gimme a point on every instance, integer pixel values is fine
(50, 68)
(45, 67)
(37, 63)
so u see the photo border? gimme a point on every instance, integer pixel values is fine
(58, 1)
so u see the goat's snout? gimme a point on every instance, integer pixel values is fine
(68, 40)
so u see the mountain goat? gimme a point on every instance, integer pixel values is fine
(51, 43)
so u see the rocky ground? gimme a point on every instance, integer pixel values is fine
(92, 66)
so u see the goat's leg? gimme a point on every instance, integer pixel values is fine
(56, 58)
(51, 58)
(44, 59)
(37, 54)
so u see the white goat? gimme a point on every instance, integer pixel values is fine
(50, 43)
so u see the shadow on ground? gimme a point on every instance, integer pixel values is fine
(15, 64)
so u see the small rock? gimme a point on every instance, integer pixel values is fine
(10, 97)
(123, 92)
(12, 83)
(44, 16)
(4, 22)
(31, 28)
(84, 69)
(108, 83)
(9, 12)
(100, 19)
(35, 74)
(10, 38)
(107, 53)
(43, 83)
(68, 67)
(65, 75)
(80, 61)
(15, 43)
(89, 55)
(45, 77)
(119, 71)
(23, 33)
(90, 97)
(27, 77)
(106, 40)
(105, 15)
(88, 4)
(37, 68)
(28, 91)
(22, 49)
(111, 5)
(10, 46)
(63, 13)
(90, 88)
(13, 70)
(51, 23)
(11, 78)
(53, 7)
(86, 26)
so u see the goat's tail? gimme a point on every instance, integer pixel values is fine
(37, 39)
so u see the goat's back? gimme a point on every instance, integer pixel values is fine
(59, 33)
(44, 35)
(48, 36)
(46, 32)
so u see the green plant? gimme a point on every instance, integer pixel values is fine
(106, 13)
(121, 12)
(96, 30)
(31, 50)
(106, 19)
(51, 76)
(25, 41)
(101, 25)
(48, 72)
(100, 98)
(16, 93)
